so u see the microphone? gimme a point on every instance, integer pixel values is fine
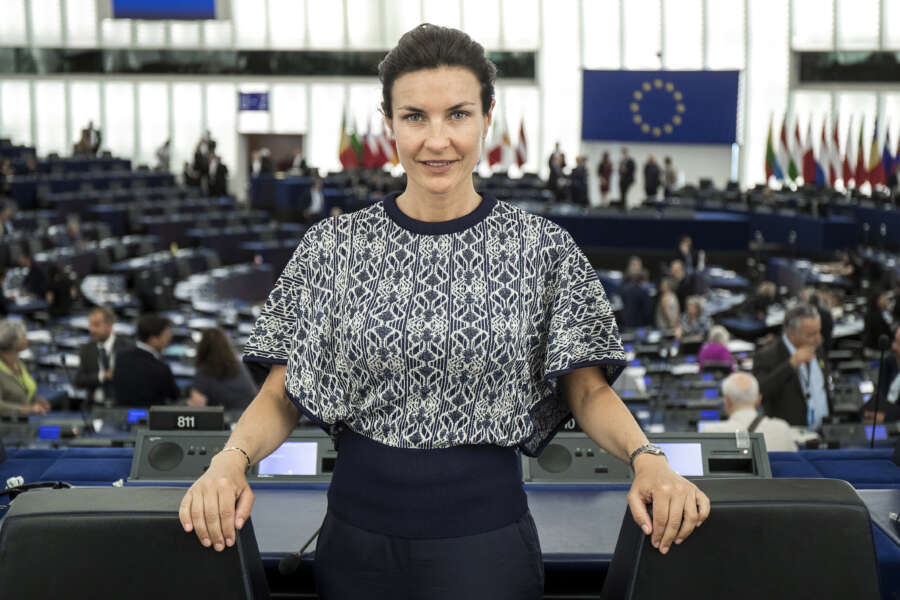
(884, 342)
(290, 563)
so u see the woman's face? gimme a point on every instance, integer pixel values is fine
(22, 346)
(438, 124)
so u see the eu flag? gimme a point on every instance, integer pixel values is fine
(671, 107)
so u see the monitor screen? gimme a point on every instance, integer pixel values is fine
(686, 459)
(292, 458)
(164, 9)
(709, 415)
(880, 432)
(136, 414)
(49, 432)
(703, 426)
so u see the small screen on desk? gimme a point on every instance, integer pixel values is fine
(292, 458)
(880, 432)
(136, 414)
(686, 459)
(51, 432)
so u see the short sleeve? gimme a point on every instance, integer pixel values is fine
(581, 332)
(274, 329)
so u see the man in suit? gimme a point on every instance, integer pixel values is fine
(792, 376)
(218, 177)
(36, 281)
(889, 386)
(141, 378)
(626, 177)
(94, 138)
(98, 356)
(651, 178)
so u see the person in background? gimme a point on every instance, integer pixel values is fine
(61, 290)
(716, 348)
(889, 387)
(694, 322)
(741, 399)
(686, 253)
(36, 281)
(810, 296)
(792, 375)
(604, 174)
(651, 178)
(18, 391)
(758, 304)
(626, 177)
(189, 177)
(557, 177)
(878, 319)
(579, 182)
(298, 164)
(218, 177)
(637, 306)
(163, 157)
(97, 358)
(315, 211)
(141, 377)
(221, 379)
(670, 176)
(94, 137)
(668, 311)
(7, 210)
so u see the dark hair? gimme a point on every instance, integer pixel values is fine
(108, 315)
(149, 326)
(429, 47)
(215, 357)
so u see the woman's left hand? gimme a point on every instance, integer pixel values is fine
(42, 403)
(678, 505)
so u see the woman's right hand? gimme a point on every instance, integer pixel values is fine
(219, 502)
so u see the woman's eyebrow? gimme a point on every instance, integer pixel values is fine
(452, 108)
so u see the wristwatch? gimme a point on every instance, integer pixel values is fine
(646, 449)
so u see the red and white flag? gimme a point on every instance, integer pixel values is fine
(522, 147)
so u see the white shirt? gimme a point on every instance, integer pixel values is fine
(108, 346)
(149, 349)
(812, 380)
(777, 432)
(316, 201)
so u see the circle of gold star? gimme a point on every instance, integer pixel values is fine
(666, 127)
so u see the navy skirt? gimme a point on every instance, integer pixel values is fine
(430, 524)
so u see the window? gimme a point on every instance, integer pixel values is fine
(15, 111)
(813, 22)
(601, 35)
(642, 29)
(50, 102)
(683, 27)
(725, 34)
(118, 135)
(857, 24)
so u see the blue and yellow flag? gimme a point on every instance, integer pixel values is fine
(670, 107)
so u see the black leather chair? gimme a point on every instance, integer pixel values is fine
(765, 538)
(118, 543)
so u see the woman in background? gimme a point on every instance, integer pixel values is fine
(716, 348)
(18, 391)
(221, 380)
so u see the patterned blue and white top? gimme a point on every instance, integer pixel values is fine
(437, 334)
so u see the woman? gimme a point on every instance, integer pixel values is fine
(604, 172)
(668, 311)
(433, 333)
(18, 391)
(221, 380)
(694, 322)
(716, 348)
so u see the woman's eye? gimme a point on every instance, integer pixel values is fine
(459, 115)
(413, 117)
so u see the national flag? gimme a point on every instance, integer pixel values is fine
(875, 169)
(846, 171)
(809, 155)
(388, 147)
(887, 160)
(773, 169)
(860, 174)
(834, 164)
(796, 151)
(784, 153)
(522, 147)
(348, 150)
(371, 150)
(496, 152)
(823, 161)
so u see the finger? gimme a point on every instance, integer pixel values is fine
(660, 516)
(703, 508)
(198, 518)
(211, 512)
(245, 503)
(690, 518)
(226, 514)
(184, 513)
(639, 513)
(676, 515)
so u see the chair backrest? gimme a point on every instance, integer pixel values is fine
(765, 538)
(118, 543)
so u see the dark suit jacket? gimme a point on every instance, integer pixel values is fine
(891, 411)
(86, 377)
(779, 384)
(218, 185)
(36, 281)
(140, 379)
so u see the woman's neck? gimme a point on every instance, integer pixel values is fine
(421, 205)
(11, 359)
